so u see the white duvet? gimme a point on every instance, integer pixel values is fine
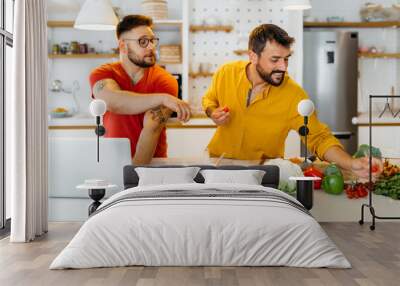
(200, 231)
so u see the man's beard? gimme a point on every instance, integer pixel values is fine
(147, 61)
(267, 77)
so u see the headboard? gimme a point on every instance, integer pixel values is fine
(270, 179)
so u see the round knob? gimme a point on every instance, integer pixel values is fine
(305, 107)
(98, 107)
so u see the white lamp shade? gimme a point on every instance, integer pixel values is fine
(305, 107)
(297, 5)
(96, 15)
(98, 107)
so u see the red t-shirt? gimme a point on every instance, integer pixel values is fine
(154, 80)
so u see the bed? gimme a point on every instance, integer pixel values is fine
(198, 224)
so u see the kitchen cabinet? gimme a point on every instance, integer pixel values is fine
(188, 142)
(192, 142)
(383, 24)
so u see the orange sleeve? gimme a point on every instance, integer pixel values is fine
(97, 74)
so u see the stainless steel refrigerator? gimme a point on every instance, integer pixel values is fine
(330, 78)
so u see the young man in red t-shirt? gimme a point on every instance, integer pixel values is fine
(140, 95)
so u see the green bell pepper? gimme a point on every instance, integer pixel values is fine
(333, 184)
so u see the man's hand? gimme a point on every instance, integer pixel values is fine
(360, 167)
(177, 105)
(220, 115)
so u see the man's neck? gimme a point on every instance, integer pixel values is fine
(254, 77)
(135, 72)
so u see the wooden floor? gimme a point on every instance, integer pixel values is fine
(375, 257)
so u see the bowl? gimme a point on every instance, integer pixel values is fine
(54, 114)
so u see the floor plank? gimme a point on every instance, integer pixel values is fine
(375, 257)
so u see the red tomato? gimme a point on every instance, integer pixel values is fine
(375, 168)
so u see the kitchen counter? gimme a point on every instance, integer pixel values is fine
(386, 120)
(86, 121)
(77, 120)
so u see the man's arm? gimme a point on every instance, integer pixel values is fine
(127, 102)
(210, 103)
(359, 166)
(153, 123)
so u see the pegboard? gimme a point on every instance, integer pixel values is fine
(216, 48)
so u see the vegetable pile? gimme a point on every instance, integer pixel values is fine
(389, 169)
(389, 187)
(358, 190)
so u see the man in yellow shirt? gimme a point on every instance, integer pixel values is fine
(254, 105)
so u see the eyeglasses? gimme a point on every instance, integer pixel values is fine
(144, 42)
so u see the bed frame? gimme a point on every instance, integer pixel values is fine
(270, 179)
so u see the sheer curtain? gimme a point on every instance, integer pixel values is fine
(26, 117)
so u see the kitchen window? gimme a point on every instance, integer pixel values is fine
(6, 45)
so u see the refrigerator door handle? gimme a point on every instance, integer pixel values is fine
(343, 135)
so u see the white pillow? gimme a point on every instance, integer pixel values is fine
(248, 177)
(165, 176)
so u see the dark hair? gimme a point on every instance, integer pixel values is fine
(268, 32)
(132, 21)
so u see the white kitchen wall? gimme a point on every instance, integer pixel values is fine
(377, 76)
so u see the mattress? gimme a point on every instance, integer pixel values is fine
(201, 225)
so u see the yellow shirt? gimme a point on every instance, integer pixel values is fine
(260, 130)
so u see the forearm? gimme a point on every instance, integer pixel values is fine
(337, 155)
(146, 146)
(126, 102)
(153, 124)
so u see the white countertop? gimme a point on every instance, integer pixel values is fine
(76, 120)
(363, 119)
(88, 120)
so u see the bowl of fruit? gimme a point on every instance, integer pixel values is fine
(59, 112)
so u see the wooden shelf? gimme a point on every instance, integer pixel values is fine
(168, 63)
(202, 28)
(83, 56)
(60, 24)
(202, 74)
(241, 52)
(168, 22)
(379, 55)
(393, 24)
(157, 23)
(99, 56)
